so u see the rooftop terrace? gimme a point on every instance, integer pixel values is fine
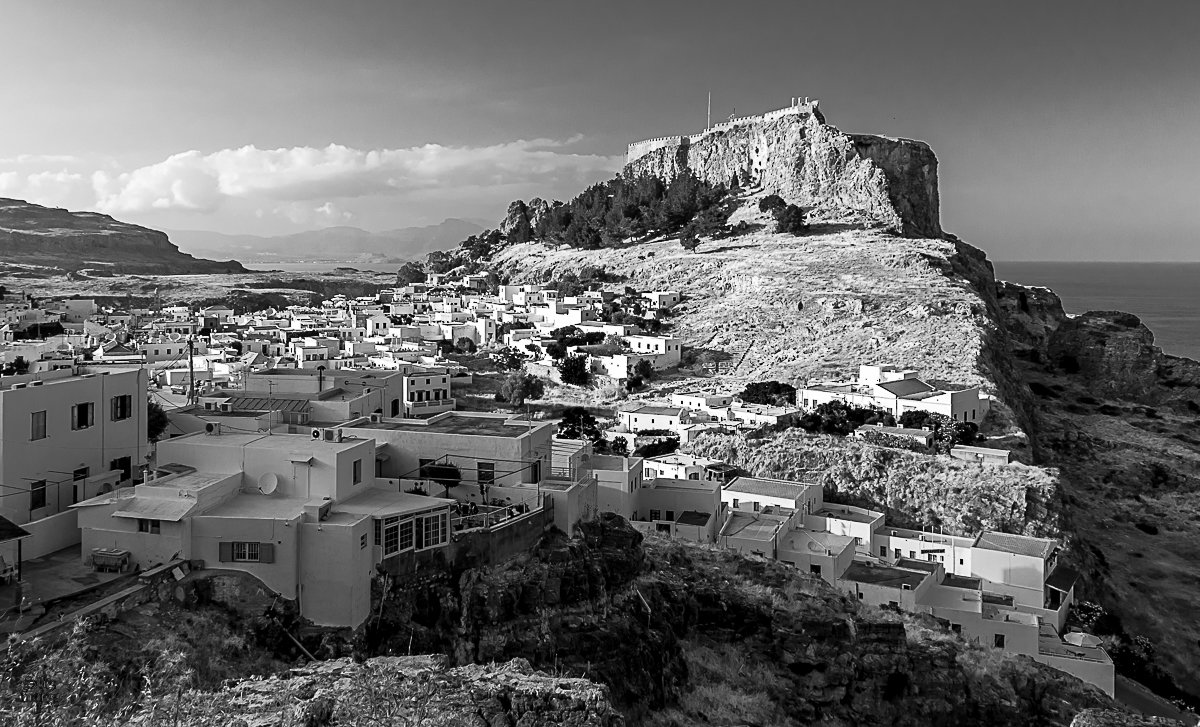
(456, 423)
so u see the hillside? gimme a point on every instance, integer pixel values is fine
(48, 237)
(816, 306)
(342, 244)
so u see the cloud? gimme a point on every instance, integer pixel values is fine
(304, 180)
(50, 188)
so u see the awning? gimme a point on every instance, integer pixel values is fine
(1063, 579)
(382, 457)
(300, 458)
(11, 531)
(154, 508)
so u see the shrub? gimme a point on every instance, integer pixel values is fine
(578, 423)
(790, 219)
(771, 203)
(657, 448)
(465, 345)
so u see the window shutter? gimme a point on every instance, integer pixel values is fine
(74, 416)
(266, 552)
(91, 412)
(113, 409)
(225, 552)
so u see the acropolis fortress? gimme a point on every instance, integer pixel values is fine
(798, 107)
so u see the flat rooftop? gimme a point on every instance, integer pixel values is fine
(379, 502)
(914, 564)
(244, 505)
(693, 517)
(885, 576)
(750, 528)
(840, 514)
(1050, 644)
(970, 584)
(455, 423)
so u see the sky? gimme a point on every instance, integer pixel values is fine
(1064, 130)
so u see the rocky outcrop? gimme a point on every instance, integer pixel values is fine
(56, 238)
(522, 219)
(1115, 718)
(917, 490)
(838, 178)
(394, 691)
(1114, 350)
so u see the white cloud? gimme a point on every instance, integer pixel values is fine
(203, 182)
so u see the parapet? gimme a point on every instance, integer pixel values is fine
(797, 107)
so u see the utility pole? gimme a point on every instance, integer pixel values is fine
(191, 370)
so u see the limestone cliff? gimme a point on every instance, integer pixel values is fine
(56, 238)
(840, 178)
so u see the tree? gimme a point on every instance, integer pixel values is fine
(688, 239)
(574, 370)
(519, 386)
(465, 345)
(915, 419)
(771, 393)
(656, 448)
(771, 203)
(735, 184)
(790, 219)
(644, 370)
(410, 273)
(509, 359)
(745, 178)
(578, 423)
(156, 421)
(618, 446)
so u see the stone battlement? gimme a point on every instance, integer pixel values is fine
(639, 149)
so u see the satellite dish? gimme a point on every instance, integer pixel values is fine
(316, 433)
(816, 547)
(268, 482)
(1078, 638)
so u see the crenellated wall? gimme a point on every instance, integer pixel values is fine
(639, 149)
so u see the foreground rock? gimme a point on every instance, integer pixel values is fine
(56, 238)
(418, 690)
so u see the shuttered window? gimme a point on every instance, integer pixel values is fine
(245, 552)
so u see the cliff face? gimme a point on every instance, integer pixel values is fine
(1119, 418)
(56, 238)
(838, 178)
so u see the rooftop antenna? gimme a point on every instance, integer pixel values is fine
(708, 124)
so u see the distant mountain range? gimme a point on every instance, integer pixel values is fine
(341, 244)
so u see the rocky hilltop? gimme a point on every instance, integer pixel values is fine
(856, 179)
(48, 237)
(1102, 422)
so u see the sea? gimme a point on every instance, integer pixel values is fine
(1166, 296)
(323, 267)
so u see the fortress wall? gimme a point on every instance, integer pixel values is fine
(639, 149)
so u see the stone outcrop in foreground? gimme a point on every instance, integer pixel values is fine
(31, 234)
(396, 690)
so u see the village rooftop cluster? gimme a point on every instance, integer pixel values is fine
(319, 448)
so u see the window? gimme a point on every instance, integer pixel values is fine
(932, 558)
(433, 530)
(406, 534)
(814, 568)
(655, 515)
(362, 541)
(912, 554)
(486, 473)
(960, 561)
(154, 527)
(998, 641)
(357, 471)
(37, 495)
(37, 425)
(124, 464)
(379, 532)
(735, 503)
(883, 551)
(239, 552)
(905, 586)
(671, 515)
(860, 595)
(83, 415)
(956, 628)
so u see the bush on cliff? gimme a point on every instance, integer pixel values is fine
(770, 393)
